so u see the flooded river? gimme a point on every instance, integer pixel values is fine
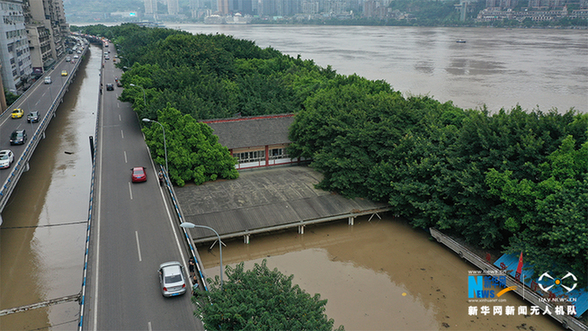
(43, 234)
(377, 275)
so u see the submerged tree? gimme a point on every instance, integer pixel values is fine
(261, 299)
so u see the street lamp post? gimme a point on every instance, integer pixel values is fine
(164, 143)
(144, 99)
(189, 225)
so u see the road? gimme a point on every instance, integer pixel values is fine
(133, 231)
(39, 97)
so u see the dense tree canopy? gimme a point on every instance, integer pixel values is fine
(261, 299)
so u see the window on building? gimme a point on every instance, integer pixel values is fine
(246, 157)
(277, 153)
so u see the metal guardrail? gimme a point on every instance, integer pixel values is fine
(187, 234)
(21, 165)
(567, 321)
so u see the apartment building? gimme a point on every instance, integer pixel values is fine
(33, 38)
(14, 46)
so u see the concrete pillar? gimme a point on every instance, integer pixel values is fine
(43, 135)
(246, 239)
(301, 229)
(351, 220)
(27, 167)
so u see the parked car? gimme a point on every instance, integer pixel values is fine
(63, 72)
(138, 175)
(33, 117)
(48, 80)
(109, 87)
(172, 279)
(6, 158)
(17, 113)
(18, 137)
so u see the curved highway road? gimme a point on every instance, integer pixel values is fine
(132, 231)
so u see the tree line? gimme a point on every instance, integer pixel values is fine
(515, 180)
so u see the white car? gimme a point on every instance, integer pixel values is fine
(48, 80)
(6, 158)
(171, 279)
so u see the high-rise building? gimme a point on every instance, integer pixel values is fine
(151, 7)
(14, 46)
(46, 31)
(173, 7)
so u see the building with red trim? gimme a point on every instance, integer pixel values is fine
(256, 141)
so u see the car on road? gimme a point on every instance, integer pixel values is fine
(33, 117)
(48, 80)
(76, 56)
(6, 158)
(109, 87)
(18, 137)
(138, 175)
(17, 113)
(67, 59)
(63, 72)
(118, 83)
(171, 279)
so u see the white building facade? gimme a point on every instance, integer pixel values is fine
(14, 46)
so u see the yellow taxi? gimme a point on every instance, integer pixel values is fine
(63, 72)
(17, 113)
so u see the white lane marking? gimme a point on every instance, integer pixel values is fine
(122, 134)
(130, 191)
(138, 245)
(126, 161)
(149, 326)
(119, 118)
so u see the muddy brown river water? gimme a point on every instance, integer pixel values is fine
(378, 275)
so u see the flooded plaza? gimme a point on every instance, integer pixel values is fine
(376, 275)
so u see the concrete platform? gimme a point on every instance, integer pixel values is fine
(266, 200)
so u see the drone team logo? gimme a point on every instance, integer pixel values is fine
(558, 282)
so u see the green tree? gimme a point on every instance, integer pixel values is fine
(193, 152)
(10, 97)
(260, 299)
(548, 219)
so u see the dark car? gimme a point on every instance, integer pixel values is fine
(33, 117)
(18, 137)
(138, 175)
(109, 87)
(118, 83)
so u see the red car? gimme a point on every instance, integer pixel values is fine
(138, 175)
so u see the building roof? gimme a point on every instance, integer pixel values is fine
(252, 131)
(262, 199)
